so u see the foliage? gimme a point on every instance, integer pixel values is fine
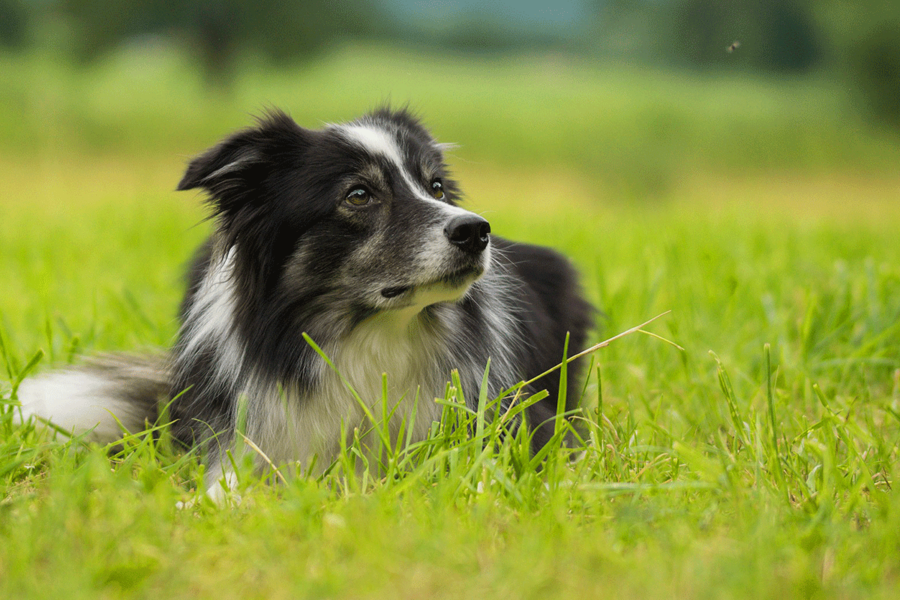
(854, 41)
(875, 64)
(774, 35)
(218, 31)
(13, 23)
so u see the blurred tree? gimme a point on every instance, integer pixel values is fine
(13, 23)
(774, 35)
(865, 40)
(856, 39)
(875, 66)
(217, 30)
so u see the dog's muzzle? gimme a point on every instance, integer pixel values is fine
(470, 233)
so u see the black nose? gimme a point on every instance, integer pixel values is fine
(468, 232)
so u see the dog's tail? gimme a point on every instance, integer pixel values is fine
(99, 398)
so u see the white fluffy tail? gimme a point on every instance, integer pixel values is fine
(99, 398)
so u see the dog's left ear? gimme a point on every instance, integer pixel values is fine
(234, 171)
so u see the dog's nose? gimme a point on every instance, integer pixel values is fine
(468, 232)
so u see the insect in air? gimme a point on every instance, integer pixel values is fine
(734, 46)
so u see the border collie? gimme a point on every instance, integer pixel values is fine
(352, 235)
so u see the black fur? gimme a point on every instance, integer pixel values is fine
(550, 308)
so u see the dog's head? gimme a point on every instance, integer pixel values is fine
(363, 213)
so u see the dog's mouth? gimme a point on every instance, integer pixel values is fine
(393, 292)
(455, 280)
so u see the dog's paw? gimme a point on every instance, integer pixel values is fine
(221, 492)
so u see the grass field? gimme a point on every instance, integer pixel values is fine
(757, 461)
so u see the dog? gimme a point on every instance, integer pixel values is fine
(349, 236)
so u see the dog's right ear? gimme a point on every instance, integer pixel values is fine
(223, 165)
(234, 171)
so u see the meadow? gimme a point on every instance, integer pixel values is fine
(748, 448)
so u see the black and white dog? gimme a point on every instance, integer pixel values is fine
(352, 235)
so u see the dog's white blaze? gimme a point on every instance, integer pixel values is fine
(77, 402)
(376, 140)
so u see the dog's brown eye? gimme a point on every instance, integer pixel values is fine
(359, 197)
(437, 189)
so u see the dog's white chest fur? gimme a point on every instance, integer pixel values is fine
(293, 427)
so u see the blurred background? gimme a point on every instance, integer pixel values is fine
(631, 98)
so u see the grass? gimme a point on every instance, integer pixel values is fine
(757, 462)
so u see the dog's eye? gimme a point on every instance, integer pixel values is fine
(359, 197)
(437, 189)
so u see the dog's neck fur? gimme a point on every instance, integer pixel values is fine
(304, 416)
(385, 362)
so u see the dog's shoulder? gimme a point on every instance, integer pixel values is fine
(550, 274)
(551, 288)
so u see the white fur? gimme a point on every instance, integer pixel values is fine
(288, 428)
(211, 319)
(78, 401)
(375, 140)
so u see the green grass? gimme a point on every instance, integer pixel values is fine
(757, 462)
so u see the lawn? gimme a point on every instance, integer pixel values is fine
(753, 456)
